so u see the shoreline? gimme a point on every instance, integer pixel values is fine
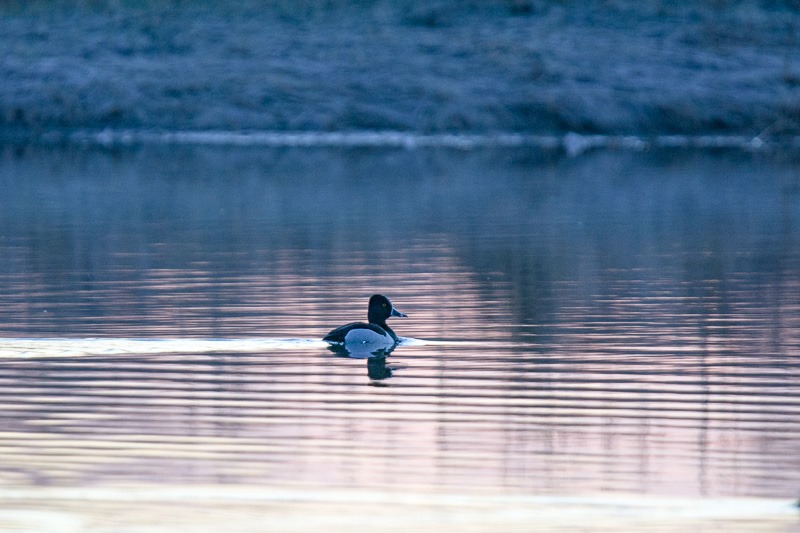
(571, 143)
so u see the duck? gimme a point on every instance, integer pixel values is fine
(374, 331)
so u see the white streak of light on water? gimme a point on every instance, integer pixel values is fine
(64, 347)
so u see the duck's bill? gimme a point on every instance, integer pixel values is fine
(395, 312)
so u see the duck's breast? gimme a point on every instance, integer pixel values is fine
(373, 335)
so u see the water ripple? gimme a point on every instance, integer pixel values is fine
(13, 348)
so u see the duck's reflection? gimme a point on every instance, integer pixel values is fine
(377, 369)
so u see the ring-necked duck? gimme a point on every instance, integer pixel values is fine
(374, 332)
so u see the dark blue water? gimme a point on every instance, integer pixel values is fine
(621, 324)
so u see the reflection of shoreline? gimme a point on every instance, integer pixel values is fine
(545, 240)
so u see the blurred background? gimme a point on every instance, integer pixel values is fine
(615, 67)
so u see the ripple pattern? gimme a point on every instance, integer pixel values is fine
(578, 329)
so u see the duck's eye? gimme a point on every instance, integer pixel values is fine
(383, 305)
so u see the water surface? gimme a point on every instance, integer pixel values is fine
(619, 327)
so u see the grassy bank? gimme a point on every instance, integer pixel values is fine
(503, 66)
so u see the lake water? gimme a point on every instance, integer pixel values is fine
(610, 341)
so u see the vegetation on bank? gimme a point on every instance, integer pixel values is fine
(616, 67)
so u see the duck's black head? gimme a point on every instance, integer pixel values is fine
(380, 308)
